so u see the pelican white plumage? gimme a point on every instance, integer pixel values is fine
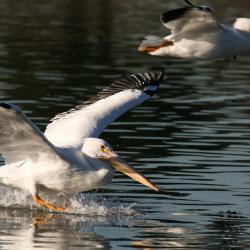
(69, 157)
(196, 33)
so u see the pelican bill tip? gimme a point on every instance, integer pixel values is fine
(155, 188)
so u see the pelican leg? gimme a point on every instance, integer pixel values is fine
(41, 202)
(42, 219)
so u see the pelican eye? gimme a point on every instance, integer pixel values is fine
(103, 148)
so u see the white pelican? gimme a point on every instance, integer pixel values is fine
(69, 157)
(196, 33)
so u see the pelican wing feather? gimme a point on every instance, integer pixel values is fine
(186, 22)
(68, 129)
(20, 139)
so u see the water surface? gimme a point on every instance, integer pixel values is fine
(191, 139)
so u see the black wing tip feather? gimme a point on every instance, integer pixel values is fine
(153, 77)
(5, 105)
(137, 81)
(147, 82)
(190, 3)
(202, 7)
(174, 14)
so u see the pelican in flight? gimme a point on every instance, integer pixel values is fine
(69, 157)
(196, 33)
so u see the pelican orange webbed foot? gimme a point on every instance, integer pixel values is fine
(45, 204)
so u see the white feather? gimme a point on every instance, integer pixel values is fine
(71, 129)
(34, 163)
(242, 24)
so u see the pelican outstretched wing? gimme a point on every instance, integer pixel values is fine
(20, 139)
(187, 21)
(88, 120)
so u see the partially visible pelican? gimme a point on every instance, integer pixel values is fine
(196, 33)
(69, 157)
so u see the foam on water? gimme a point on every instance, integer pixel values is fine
(83, 204)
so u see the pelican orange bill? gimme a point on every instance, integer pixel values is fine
(119, 164)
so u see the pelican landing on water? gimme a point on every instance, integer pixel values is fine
(196, 33)
(69, 157)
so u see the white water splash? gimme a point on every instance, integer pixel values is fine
(82, 204)
(90, 205)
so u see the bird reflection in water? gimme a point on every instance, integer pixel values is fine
(31, 230)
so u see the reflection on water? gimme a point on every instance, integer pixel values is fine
(192, 139)
(25, 230)
(30, 230)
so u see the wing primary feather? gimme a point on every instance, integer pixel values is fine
(189, 3)
(5, 105)
(94, 115)
(172, 15)
(20, 139)
(139, 81)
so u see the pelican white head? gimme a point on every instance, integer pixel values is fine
(96, 148)
(100, 149)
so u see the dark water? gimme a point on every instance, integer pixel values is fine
(192, 139)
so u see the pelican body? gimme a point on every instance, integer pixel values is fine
(69, 157)
(196, 33)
